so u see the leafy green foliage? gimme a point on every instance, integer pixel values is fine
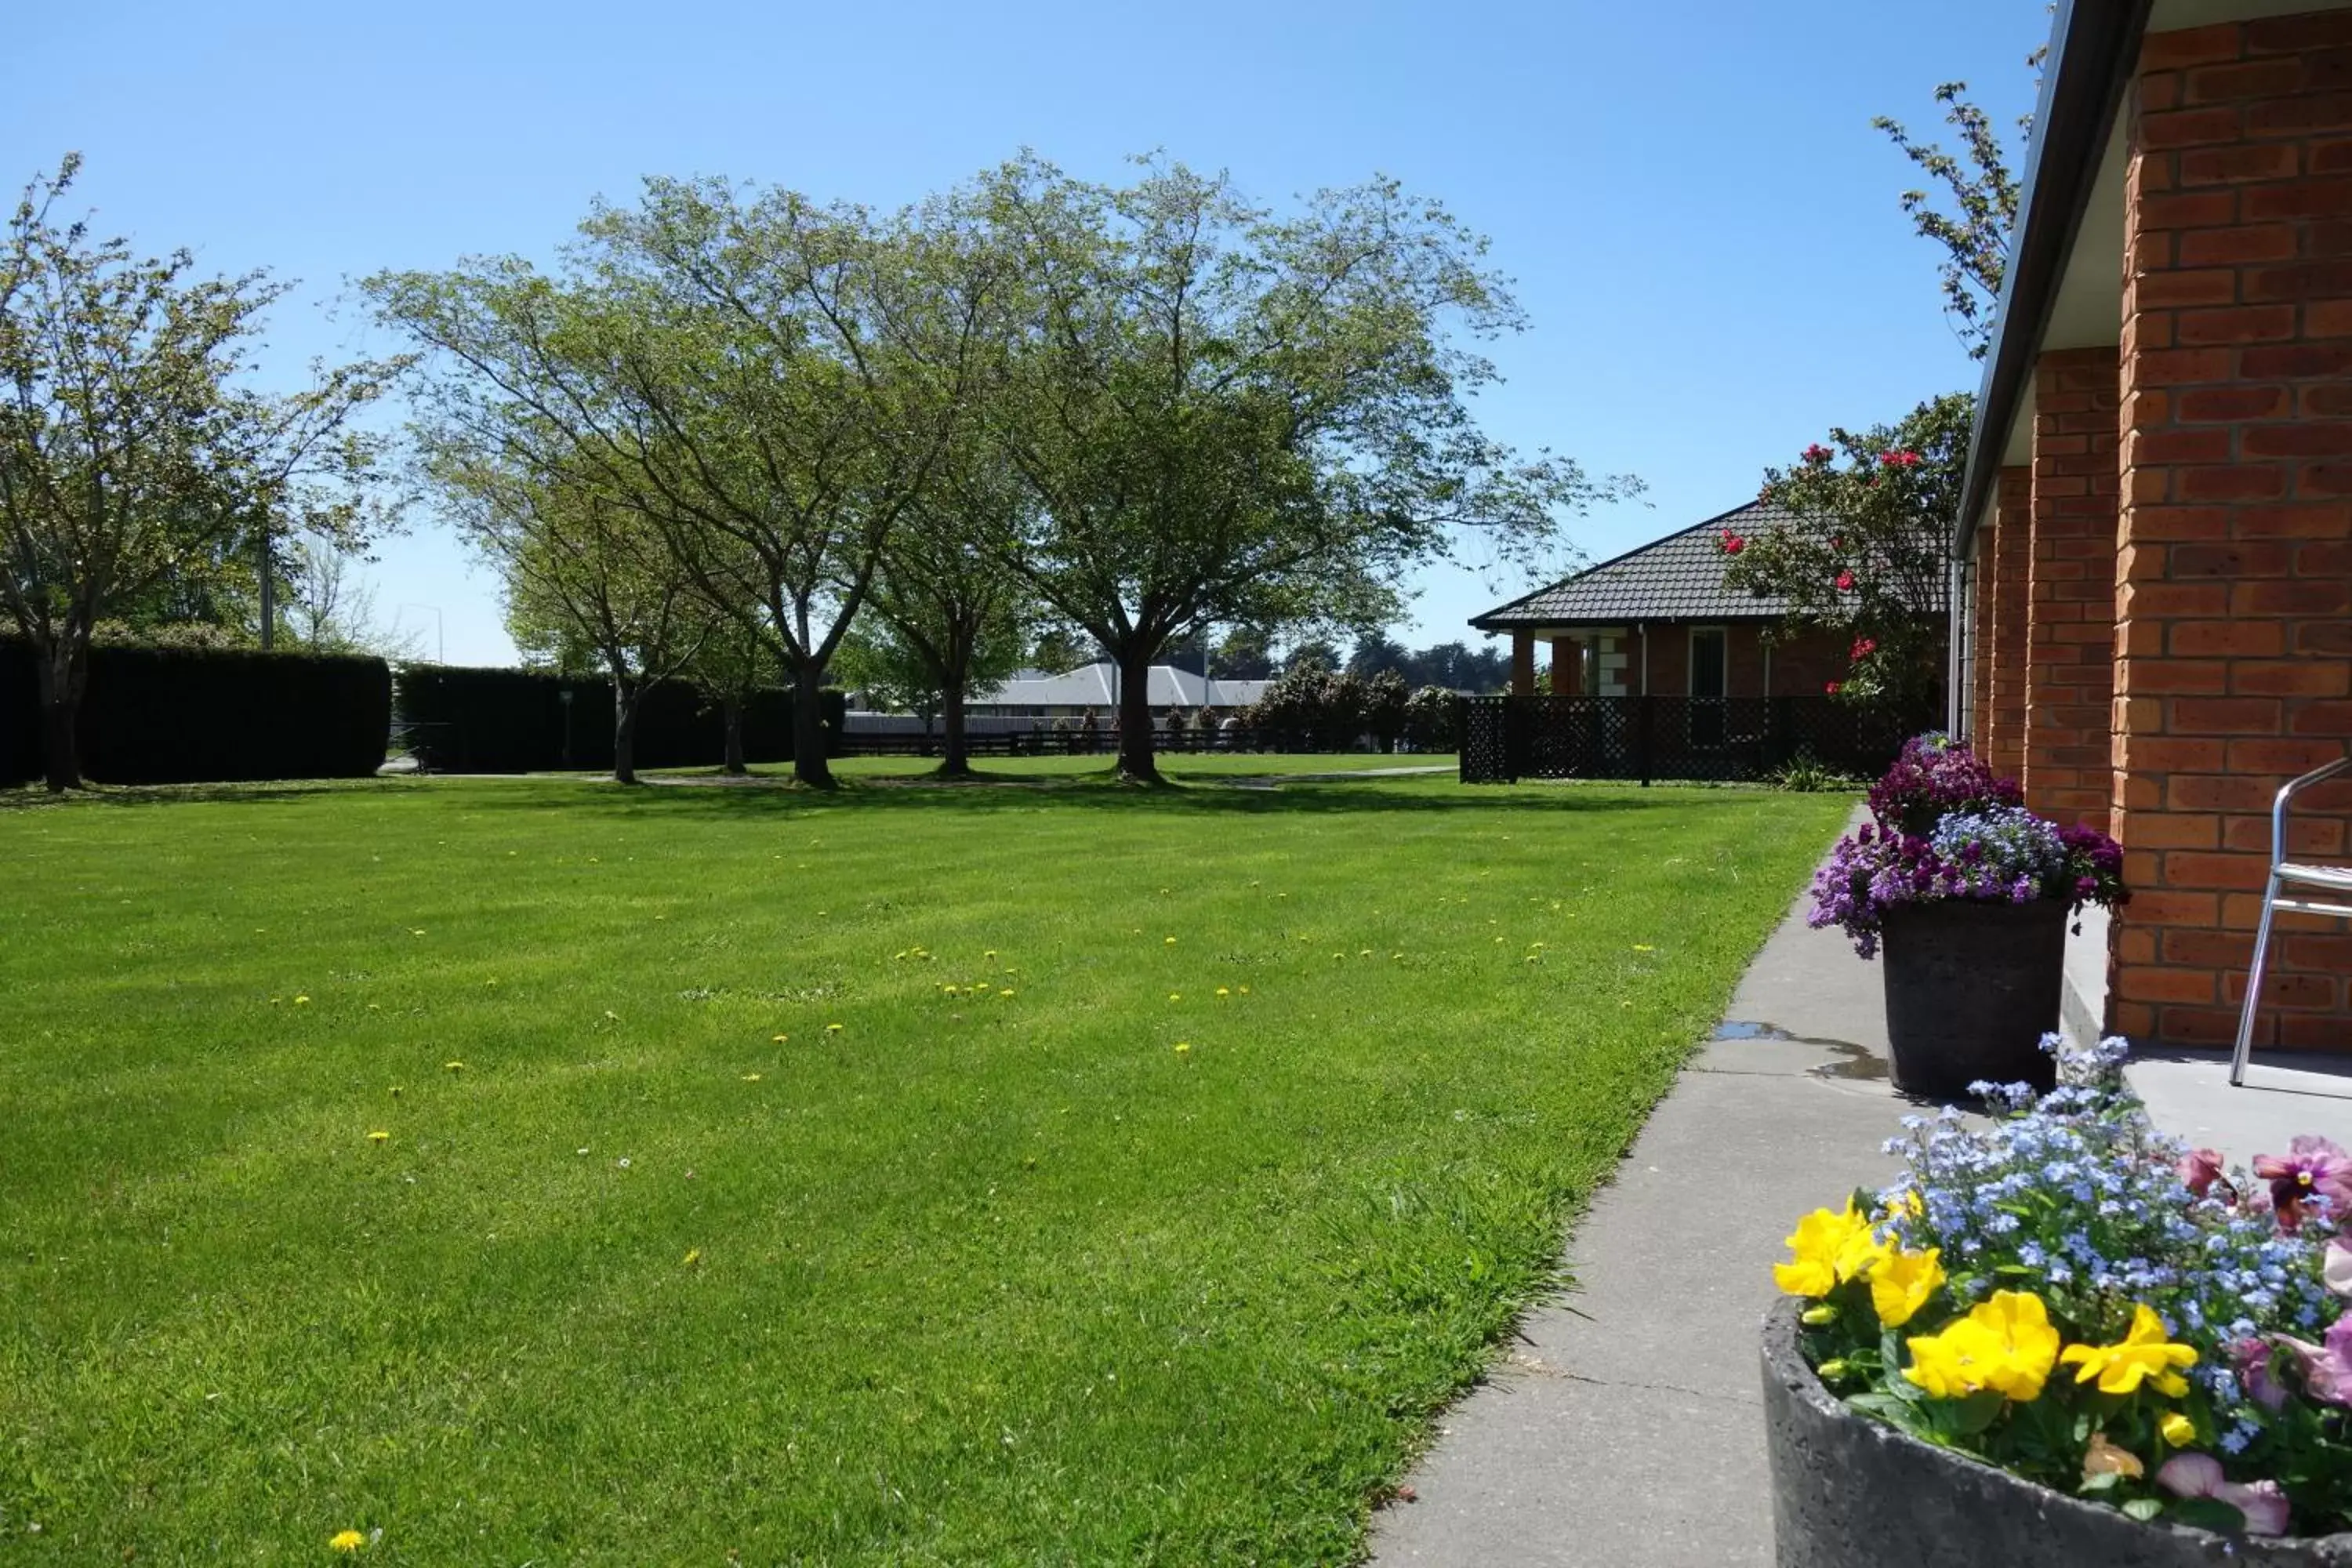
(134, 458)
(1228, 414)
(1866, 556)
(1973, 227)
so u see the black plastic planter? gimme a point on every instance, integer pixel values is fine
(1971, 987)
(1851, 1492)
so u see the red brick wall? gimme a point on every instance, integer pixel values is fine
(2234, 572)
(2011, 563)
(2070, 631)
(1980, 670)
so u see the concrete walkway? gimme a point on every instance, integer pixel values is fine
(1624, 1427)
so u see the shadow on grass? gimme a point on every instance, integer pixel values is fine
(35, 798)
(1100, 795)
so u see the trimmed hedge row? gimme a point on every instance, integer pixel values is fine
(514, 722)
(152, 715)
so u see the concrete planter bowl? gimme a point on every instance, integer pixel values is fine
(1851, 1492)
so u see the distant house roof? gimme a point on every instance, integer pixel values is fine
(1095, 686)
(1677, 578)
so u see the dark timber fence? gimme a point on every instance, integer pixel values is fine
(1101, 740)
(1721, 738)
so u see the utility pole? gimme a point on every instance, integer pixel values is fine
(268, 587)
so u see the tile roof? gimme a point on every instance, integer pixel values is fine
(1092, 686)
(1677, 578)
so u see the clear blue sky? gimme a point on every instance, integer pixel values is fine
(1703, 224)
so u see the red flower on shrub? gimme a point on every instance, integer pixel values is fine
(1845, 582)
(1863, 648)
(1732, 543)
(1817, 453)
(1833, 688)
(1903, 460)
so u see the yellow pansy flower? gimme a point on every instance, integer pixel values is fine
(1826, 1249)
(2178, 1429)
(2006, 1344)
(2145, 1355)
(1901, 1282)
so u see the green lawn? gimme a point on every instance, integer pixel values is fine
(1175, 1156)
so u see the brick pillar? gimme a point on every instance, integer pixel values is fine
(1523, 664)
(2234, 575)
(2069, 610)
(2008, 555)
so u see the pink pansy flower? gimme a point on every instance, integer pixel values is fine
(2327, 1367)
(2251, 1360)
(2312, 1167)
(2199, 1169)
(2263, 1503)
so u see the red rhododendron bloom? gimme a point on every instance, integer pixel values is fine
(1899, 459)
(1732, 543)
(1863, 648)
(1832, 688)
(1817, 453)
(1845, 582)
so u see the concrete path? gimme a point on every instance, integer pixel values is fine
(1623, 1430)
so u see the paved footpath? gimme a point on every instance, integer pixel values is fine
(1624, 1429)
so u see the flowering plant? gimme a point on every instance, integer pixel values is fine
(2072, 1296)
(1946, 828)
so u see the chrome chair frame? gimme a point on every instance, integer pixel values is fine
(2296, 889)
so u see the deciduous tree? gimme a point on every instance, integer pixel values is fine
(1227, 414)
(131, 446)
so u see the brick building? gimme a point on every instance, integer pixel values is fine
(2156, 542)
(1659, 621)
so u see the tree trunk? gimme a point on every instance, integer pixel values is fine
(730, 715)
(954, 763)
(1136, 763)
(809, 765)
(63, 670)
(625, 729)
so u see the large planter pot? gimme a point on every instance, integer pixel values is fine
(1971, 987)
(1851, 1492)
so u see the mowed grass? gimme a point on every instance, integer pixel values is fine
(1057, 1174)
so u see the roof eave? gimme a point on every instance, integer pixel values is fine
(2093, 50)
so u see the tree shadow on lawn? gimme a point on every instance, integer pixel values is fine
(34, 797)
(1096, 794)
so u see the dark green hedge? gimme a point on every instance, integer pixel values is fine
(513, 721)
(203, 715)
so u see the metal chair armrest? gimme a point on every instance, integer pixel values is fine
(2285, 796)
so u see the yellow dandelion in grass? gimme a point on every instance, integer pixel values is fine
(1175, 996)
(301, 1000)
(1183, 1048)
(375, 1006)
(1169, 941)
(379, 1137)
(1398, 957)
(417, 933)
(832, 1028)
(1364, 953)
(453, 1067)
(1222, 992)
(1005, 993)
(750, 1078)
(1245, 990)
(1643, 947)
(693, 1257)
(990, 954)
(346, 1540)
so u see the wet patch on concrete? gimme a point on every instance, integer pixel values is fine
(1853, 1062)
